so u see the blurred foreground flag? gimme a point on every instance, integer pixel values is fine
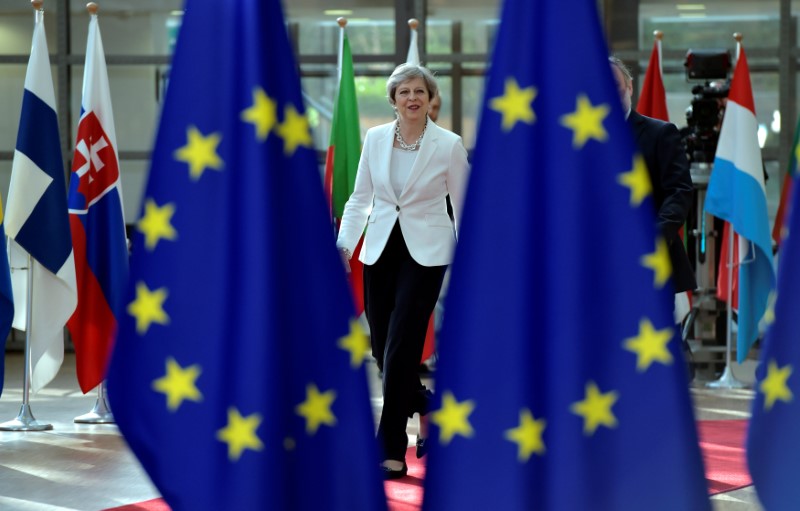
(96, 221)
(6, 301)
(592, 409)
(773, 441)
(736, 194)
(37, 222)
(239, 384)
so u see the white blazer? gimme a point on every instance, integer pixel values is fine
(441, 168)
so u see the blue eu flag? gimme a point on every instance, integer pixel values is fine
(238, 377)
(561, 281)
(772, 438)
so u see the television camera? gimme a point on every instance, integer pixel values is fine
(704, 115)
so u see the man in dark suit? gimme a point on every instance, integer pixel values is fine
(664, 154)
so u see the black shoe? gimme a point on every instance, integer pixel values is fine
(389, 474)
(422, 447)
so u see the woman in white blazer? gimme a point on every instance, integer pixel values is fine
(407, 169)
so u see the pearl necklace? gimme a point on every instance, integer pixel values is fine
(403, 145)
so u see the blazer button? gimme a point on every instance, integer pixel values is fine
(397, 208)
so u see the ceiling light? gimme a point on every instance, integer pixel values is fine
(337, 12)
(691, 7)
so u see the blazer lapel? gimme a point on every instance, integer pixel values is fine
(426, 152)
(384, 159)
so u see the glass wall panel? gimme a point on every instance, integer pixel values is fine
(134, 179)
(370, 31)
(471, 105)
(12, 83)
(145, 30)
(373, 103)
(710, 24)
(134, 91)
(16, 28)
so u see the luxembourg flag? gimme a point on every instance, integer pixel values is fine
(97, 222)
(36, 219)
(736, 194)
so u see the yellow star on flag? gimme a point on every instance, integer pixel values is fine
(769, 313)
(200, 152)
(659, 262)
(148, 307)
(294, 130)
(453, 418)
(263, 114)
(316, 409)
(240, 433)
(156, 224)
(774, 386)
(638, 180)
(596, 409)
(515, 104)
(528, 435)
(356, 343)
(586, 122)
(179, 384)
(650, 345)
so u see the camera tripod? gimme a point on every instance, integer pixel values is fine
(705, 306)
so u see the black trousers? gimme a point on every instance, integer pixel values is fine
(399, 297)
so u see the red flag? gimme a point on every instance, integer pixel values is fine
(653, 99)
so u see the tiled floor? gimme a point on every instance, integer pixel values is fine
(88, 467)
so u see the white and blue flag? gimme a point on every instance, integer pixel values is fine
(736, 193)
(36, 218)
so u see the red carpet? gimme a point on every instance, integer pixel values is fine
(722, 443)
(147, 505)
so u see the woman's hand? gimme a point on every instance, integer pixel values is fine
(346, 255)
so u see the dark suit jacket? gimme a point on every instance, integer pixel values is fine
(665, 156)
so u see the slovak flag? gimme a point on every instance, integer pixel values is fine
(97, 222)
(736, 194)
(36, 220)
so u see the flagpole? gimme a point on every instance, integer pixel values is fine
(25, 421)
(100, 413)
(342, 21)
(658, 35)
(412, 57)
(728, 380)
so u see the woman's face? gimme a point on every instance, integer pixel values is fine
(411, 100)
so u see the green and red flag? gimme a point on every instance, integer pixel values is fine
(341, 163)
(786, 189)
